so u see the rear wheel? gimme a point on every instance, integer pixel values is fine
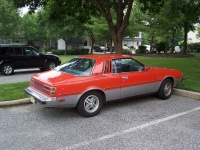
(7, 69)
(50, 65)
(165, 90)
(90, 104)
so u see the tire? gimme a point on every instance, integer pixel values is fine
(165, 90)
(147, 51)
(50, 65)
(90, 104)
(42, 69)
(7, 69)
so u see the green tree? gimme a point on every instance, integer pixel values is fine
(9, 19)
(65, 28)
(30, 27)
(190, 9)
(84, 9)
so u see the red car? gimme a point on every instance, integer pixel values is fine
(87, 82)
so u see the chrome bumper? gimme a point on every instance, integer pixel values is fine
(50, 101)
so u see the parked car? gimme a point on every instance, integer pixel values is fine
(125, 48)
(87, 82)
(103, 48)
(24, 56)
(148, 47)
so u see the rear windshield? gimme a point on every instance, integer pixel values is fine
(3, 50)
(77, 66)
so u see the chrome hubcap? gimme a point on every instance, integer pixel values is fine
(52, 66)
(7, 69)
(91, 103)
(167, 89)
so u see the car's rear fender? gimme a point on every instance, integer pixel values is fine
(94, 89)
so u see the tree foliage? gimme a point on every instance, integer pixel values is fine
(9, 19)
(30, 27)
(84, 9)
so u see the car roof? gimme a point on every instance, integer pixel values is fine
(12, 45)
(105, 56)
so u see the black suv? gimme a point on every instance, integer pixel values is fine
(24, 56)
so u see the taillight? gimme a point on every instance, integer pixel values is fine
(49, 90)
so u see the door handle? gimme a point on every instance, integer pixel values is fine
(125, 77)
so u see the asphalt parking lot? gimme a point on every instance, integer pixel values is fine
(139, 124)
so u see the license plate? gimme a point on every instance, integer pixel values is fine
(32, 99)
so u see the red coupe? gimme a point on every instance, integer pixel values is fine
(87, 82)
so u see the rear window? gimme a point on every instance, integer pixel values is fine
(3, 50)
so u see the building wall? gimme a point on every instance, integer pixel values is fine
(61, 45)
(192, 37)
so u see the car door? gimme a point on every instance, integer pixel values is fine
(111, 81)
(33, 57)
(17, 57)
(134, 79)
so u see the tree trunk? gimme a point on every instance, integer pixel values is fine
(111, 51)
(166, 44)
(151, 44)
(118, 44)
(92, 39)
(186, 28)
(173, 37)
(122, 20)
(66, 44)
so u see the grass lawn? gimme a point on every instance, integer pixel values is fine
(190, 68)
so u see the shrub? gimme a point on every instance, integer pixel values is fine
(160, 46)
(70, 51)
(126, 52)
(194, 47)
(137, 51)
(142, 49)
(57, 52)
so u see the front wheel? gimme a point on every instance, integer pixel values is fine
(90, 104)
(50, 65)
(7, 69)
(165, 90)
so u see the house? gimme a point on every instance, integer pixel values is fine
(133, 42)
(73, 43)
(192, 37)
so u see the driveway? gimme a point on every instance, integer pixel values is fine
(144, 123)
(20, 75)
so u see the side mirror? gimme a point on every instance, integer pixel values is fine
(146, 68)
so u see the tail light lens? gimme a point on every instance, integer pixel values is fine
(49, 90)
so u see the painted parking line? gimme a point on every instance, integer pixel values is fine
(130, 130)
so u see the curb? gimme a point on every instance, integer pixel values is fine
(189, 94)
(15, 102)
(183, 93)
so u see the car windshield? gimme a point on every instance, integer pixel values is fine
(77, 66)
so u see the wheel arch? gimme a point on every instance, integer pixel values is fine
(92, 90)
(6, 62)
(49, 60)
(169, 77)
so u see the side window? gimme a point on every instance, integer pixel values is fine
(18, 51)
(31, 51)
(128, 65)
(114, 67)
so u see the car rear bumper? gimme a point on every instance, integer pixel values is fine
(49, 101)
(57, 102)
